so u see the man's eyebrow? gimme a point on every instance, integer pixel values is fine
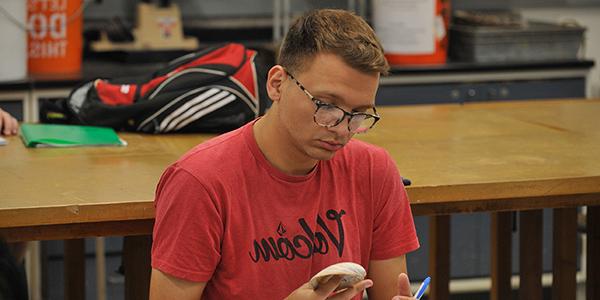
(327, 95)
(336, 99)
(363, 107)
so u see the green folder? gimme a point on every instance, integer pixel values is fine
(52, 135)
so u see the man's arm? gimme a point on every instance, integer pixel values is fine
(164, 286)
(384, 274)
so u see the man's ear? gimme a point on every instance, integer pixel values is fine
(275, 78)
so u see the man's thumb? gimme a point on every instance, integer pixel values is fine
(404, 285)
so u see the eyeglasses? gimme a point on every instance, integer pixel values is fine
(329, 115)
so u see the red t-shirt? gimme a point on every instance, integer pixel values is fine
(226, 216)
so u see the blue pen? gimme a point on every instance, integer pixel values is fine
(422, 288)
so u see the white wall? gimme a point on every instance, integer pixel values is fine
(586, 16)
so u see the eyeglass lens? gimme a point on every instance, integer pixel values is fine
(329, 116)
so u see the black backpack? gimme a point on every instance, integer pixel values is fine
(214, 90)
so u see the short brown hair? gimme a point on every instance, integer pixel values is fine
(334, 31)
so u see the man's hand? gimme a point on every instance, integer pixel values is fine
(404, 292)
(8, 124)
(325, 290)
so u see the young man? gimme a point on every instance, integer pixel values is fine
(256, 212)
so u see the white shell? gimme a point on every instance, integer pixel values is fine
(351, 272)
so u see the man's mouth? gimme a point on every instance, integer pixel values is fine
(330, 145)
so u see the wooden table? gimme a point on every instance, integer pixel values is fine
(502, 157)
(72, 193)
(494, 157)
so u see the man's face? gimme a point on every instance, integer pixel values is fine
(330, 80)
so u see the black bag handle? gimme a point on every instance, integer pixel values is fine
(180, 61)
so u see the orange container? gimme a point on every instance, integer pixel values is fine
(54, 41)
(392, 28)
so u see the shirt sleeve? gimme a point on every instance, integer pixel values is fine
(188, 228)
(394, 229)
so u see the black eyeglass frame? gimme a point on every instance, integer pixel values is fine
(320, 104)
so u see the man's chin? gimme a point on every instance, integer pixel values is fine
(322, 154)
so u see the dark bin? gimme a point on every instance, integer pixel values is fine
(534, 42)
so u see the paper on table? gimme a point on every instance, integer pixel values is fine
(3, 141)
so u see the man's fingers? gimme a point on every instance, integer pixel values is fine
(404, 285)
(15, 126)
(353, 291)
(8, 124)
(3, 116)
(327, 287)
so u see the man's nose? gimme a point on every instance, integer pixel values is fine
(341, 129)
